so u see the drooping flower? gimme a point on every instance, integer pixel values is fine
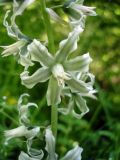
(58, 69)
(74, 154)
(25, 129)
(76, 12)
(21, 131)
(23, 110)
(77, 98)
(18, 48)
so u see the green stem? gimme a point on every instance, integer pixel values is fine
(54, 119)
(49, 30)
(48, 27)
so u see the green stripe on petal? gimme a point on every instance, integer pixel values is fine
(53, 92)
(68, 45)
(40, 53)
(41, 75)
(81, 105)
(77, 86)
(80, 63)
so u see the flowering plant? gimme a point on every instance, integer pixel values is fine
(67, 77)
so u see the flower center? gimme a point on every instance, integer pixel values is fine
(60, 74)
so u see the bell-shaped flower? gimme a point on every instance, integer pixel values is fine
(25, 129)
(76, 12)
(74, 154)
(77, 99)
(58, 69)
(18, 48)
(22, 131)
(23, 110)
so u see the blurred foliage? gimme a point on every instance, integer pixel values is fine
(99, 131)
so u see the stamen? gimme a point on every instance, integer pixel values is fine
(60, 74)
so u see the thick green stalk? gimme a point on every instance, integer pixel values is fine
(49, 30)
(54, 119)
(48, 27)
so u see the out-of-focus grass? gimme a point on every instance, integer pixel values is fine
(98, 132)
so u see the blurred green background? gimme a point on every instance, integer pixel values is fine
(99, 131)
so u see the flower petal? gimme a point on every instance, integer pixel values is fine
(50, 145)
(77, 86)
(41, 75)
(53, 92)
(66, 92)
(81, 105)
(40, 53)
(84, 9)
(13, 30)
(55, 16)
(34, 153)
(24, 156)
(77, 22)
(22, 131)
(13, 48)
(23, 112)
(80, 63)
(74, 154)
(19, 8)
(68, 45)
(23, 109)
(68, 110)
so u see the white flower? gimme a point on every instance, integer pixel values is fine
(57, 68)
(77, 98)
(18, 48)
(74, 154)
(13, 48)
(76, 12)
(22, 131)
(60, 74)
(23, 110)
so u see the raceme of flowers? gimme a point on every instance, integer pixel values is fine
(67, 77)
(30, 132)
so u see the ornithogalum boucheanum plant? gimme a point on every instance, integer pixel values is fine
(67, 78)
